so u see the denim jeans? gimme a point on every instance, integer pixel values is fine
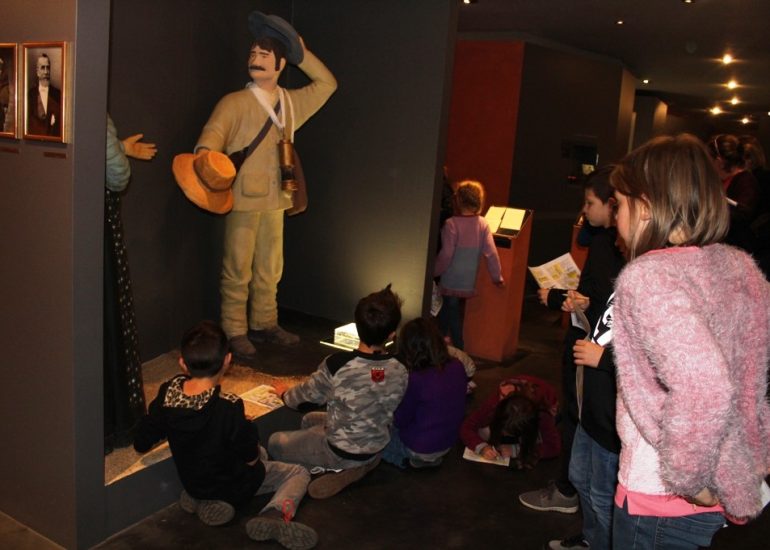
(308, 446)
(287, 481)
(593, 470)
(399, 455)
(664, 533)
(450, 319)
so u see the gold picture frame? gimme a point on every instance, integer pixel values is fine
(45, 106)
(9, 90)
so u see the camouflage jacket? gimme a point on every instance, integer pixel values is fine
(361, 391)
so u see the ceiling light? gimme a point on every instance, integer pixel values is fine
(732, 84)
(745, 120)
(688, 1)
(716, 110)
(734, 100)
(469, 1)
(727, 59)
(646, 81)
(619, 22)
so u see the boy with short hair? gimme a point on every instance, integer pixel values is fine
(361, 389)
(216, 450)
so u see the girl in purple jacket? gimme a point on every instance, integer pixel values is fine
(427, 422)
(690, 334)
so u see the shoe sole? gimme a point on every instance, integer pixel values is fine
(560, 509)
(214, 512)
(329, 485)
(294, 536)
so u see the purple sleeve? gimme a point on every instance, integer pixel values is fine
(406, 410)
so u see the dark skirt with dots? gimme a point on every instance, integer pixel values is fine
(124, 402)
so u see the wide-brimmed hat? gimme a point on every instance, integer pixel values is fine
(206, 179)
(262, 25)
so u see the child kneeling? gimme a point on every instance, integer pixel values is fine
(216, 450)
(517, 421)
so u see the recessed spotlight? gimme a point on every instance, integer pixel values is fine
(619, 22)
(716, 110)
(469, 1)
(745, 120)
(734, 100)
(688, 1)
(732, 84)
(727, 59)
(646, 81)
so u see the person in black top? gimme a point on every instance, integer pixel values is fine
(602, 266)
(216, 450)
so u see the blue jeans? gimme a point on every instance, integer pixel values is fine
(593, 470)
(660, 533)
(399, 455)
(450, 319)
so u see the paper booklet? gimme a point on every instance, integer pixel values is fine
(561, 272)
(504, 220)
(263, 396)
(473, 457)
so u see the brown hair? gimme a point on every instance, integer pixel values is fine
(676, 179)
(729, 149)
(421, 345)
(470, 195)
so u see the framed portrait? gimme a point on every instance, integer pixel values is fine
(9, 89)
(44, 92)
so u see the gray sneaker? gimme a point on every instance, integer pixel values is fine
(550, 499)
(275, 335)
(575, 542)
(241, 346)
(210, 512)
(289, 534)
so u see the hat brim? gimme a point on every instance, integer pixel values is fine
(219, 202)
(262, 25)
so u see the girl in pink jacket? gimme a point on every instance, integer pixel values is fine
(691, 324)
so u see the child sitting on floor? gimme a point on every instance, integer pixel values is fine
(427, 422)
(517, 421)
(361, 389)
(216, 450)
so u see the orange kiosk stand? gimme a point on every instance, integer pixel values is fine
(493, 316)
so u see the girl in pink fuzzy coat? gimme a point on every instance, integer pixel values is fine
(691, 335)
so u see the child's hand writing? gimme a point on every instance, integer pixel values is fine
(490, 453)
(587, 353)
(280, 388)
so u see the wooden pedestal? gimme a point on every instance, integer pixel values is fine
(492, 318)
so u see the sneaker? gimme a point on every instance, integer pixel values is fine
(575, 542)
(330, 484)
(242, 347)
(275, 335)
(550, 499)
(210, 512)
(289, 534)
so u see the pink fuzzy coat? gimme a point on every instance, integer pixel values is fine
(691, 339)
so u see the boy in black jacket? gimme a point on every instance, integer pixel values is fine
(216, 450)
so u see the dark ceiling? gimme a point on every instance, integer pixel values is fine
(677, 46)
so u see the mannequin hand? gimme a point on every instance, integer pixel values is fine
(138, 150)
(587, 353)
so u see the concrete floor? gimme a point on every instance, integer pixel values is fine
(461, 505)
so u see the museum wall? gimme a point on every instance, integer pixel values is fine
(567, 99)
(51, 279)
(483, 114)
(372, 155)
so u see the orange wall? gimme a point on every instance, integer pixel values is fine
(483, 114)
